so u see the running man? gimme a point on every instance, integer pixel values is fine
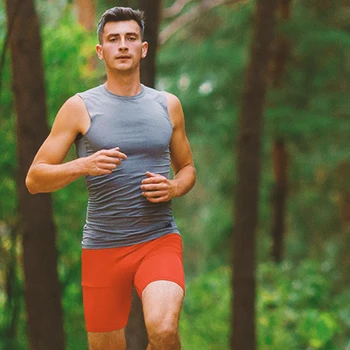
(126, 136)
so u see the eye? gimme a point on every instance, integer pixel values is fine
(132, 38)
(112, 39)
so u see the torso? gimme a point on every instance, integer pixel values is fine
(140, 125)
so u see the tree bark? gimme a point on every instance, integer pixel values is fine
(153, 15)
(12, 305)
(280, 162)
(136, 333)
(280, 168)
(41, 285)
(86, 11)
(248, 167)
(282, 45)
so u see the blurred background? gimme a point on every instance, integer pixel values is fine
(303, 260)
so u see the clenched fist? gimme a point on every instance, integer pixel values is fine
(157, 188)
(103, 162)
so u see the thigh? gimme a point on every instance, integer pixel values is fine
(162, 261)
(162, 302)
(107, 288)
(160, 281)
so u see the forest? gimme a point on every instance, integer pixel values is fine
(266, 229)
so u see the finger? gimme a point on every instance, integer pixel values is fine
(154, 180)
(108, 165)
(114, 152)
(155, 194)
(157, 199)
(104, 172)
(100, 171)
(149, 174)
(108, 160)
(153, 187)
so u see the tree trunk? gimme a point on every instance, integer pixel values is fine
(86, 11)
(248, 167)
(280, 167)
(41, 285)
(148, 65)
(12, 305)
(282, 45)
(279, 196)
(136, 333)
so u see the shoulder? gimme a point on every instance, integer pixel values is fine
(172, 100)
(174, 109)
(73, 114)
(74, 105)
(169, 98)
(91, 92)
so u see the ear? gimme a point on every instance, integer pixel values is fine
(144, 49)
(99, 51)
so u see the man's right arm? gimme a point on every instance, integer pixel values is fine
(48, 173)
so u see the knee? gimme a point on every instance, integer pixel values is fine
(107, 341)
(162, 334)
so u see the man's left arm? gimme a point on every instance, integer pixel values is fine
(157, 188)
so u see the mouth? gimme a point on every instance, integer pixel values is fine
(123, 57)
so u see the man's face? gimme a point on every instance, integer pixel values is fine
(122, 47)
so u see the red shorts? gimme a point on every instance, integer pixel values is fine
(109, 274)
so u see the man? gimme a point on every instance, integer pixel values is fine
(126, 136)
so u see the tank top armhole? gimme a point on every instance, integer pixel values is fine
(85, 101)
(164, 103)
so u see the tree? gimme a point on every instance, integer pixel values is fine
(280, 170)
(153, 17)
(86, 11)
(279, 156)
(248, 169)
(41, 284)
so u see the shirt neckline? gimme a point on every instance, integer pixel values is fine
(119, 97)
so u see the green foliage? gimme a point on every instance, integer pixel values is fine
(206, 314)
(204, 65)
(66, 49)
(301, 304)
(296, 308)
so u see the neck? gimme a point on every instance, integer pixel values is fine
(124, 83)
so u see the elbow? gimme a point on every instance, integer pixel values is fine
(30, 184)
(194, 175)
(193, 171)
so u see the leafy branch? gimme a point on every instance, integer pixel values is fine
(203, 7)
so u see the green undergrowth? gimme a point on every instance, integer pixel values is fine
(296, 306)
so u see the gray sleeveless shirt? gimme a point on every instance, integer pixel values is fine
(117, 214)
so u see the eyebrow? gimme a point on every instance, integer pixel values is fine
(118, 34)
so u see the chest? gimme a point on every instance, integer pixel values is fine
(134, 128)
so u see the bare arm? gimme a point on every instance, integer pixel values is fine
(48, 173)
(156, 188)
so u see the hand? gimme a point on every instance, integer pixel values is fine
(103, 162)
(157, 188)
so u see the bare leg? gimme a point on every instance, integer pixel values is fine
(162, 302)
(107, 340)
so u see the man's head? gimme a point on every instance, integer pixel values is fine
(116, 14)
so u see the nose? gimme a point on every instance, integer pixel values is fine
(123, 46)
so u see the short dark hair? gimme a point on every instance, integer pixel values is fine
(117, 14)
